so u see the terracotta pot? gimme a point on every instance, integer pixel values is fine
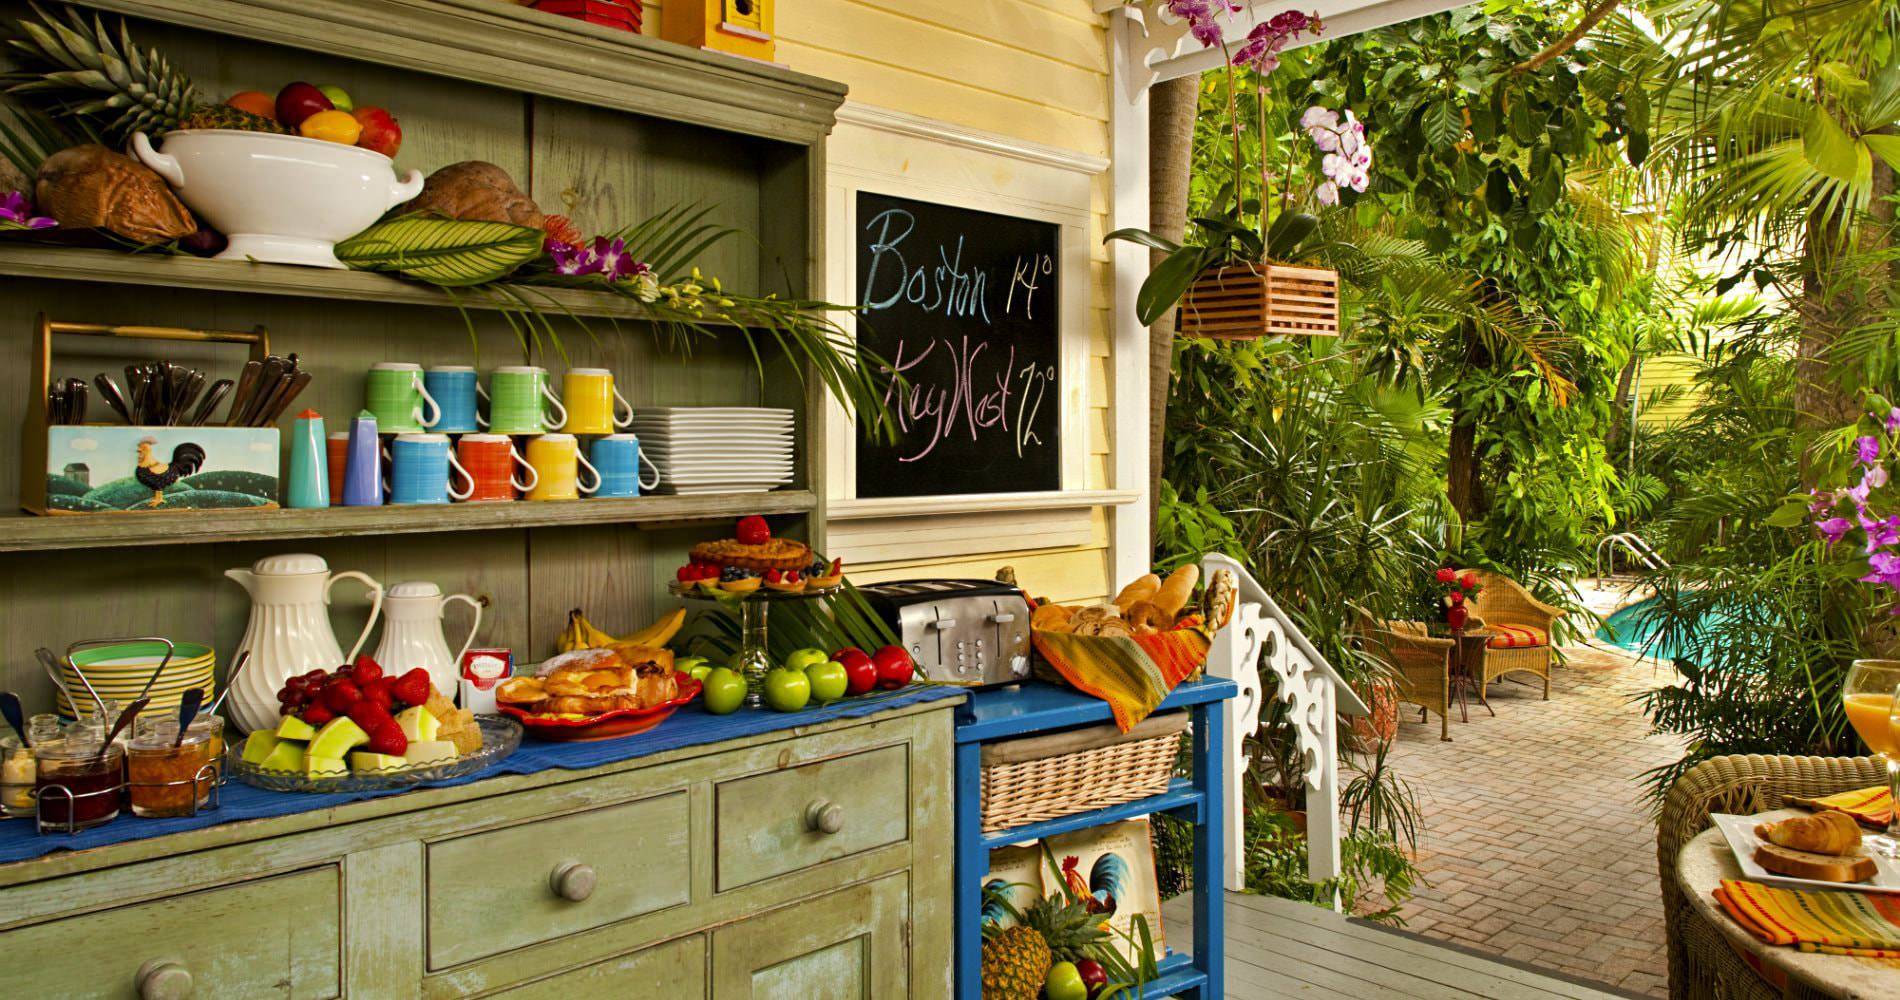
(1249, 301)
(1382, 725)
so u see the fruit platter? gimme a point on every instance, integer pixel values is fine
(357, 729)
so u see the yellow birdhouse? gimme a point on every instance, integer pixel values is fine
(740, 27)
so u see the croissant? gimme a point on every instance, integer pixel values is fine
(1829, 832)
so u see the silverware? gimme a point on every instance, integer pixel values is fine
(125, 719)
(187, 710)
(15, 715)
(246, 385)
(211, 401)
(51, 663)
(76, 391)
(230, 680)
(269, 380)
(109, 391)
(192, 384)
(296, 386)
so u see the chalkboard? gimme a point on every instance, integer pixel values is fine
(966, 305)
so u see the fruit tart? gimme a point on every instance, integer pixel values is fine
(821, 575)
(788, 581)
(754, 548)
(739, 580)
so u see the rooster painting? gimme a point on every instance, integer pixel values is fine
(187, 458)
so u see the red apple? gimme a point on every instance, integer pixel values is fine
(860, 673)
(894, 667)
(381, 134)
(1093, 976)
(298, 101)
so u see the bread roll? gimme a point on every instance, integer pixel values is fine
(1174, 594)
(1051, 617)
(1149, 615)
(1819, 867)
(1142, 589)
(1829, 832)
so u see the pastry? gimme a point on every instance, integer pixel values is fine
(1830, 832)
(789, 581)
(739, 580)
(1051, 618)
(1174, 594)
(1223, 595)
(1147, 615)
(754, 548)
(1105, 626)
(821, 574)
(592, 681)
(1142, 589)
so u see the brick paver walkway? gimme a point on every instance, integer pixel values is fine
(1536, 840)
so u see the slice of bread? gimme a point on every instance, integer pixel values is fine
(1819, 867)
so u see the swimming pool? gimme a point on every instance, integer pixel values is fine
(1638, 627)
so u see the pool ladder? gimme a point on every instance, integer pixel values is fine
(1605, 562)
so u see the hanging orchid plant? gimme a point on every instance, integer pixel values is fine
(1273, 227)
(1861, 508)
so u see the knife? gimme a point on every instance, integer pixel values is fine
(194, 383)
(293, 385)
(211, 401)
(246, 384)
(269, 381)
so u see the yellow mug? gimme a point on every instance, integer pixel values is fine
(557, 461)
(593, 404)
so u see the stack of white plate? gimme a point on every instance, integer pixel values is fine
(716, 449)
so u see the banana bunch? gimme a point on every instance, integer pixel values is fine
(581, 633)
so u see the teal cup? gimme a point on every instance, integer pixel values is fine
(395, 394)
(521, 402)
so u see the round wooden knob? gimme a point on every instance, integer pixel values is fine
(824, 816)
(163, 980)
(573, 881)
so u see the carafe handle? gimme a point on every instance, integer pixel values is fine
(478, 603)
(375, 605)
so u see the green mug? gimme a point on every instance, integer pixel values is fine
(519, 401)
(394, 393)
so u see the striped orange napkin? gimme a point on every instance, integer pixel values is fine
(1132, 673)
(1836, 923)
(1870, 806)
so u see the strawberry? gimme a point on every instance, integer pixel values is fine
(412, 688)
(774, 576)
(365, 670)
(686, 573)
(754, 531)
(341, 694)
(387, 738)
(368, 714)
(317, 715)
(377, 692)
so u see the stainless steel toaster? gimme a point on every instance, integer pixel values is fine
(969, 632)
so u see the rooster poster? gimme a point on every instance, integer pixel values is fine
(1114, 865)
(92, 469)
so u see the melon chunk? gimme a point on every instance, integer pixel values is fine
(419, 724)
(292, 728)
(337, 738)
(287, 755)
(323, 767)
(259, 746)
(430, 752)
(363, 760)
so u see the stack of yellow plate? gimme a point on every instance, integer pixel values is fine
(119, 672)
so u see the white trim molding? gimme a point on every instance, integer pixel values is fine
(951, 134)
(1163, 47)
(976, 503)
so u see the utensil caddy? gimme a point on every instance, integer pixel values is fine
(246, 456)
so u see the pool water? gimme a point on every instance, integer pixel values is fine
(1637, 628)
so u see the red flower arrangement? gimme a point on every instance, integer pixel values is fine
(1455, 586)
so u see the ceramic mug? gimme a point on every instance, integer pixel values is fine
(395, 394)
(557, 460)
(419, 467)
(455, 389)
(618, 458)
(519, 401)
(337, 445)
(490, 460)
(593, 403)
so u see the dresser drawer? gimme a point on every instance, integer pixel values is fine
(497, 890)
(675, 970)
(771, 824)
(277, 936)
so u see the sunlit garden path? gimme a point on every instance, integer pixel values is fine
(1537, 843)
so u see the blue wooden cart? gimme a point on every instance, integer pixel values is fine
(1037, 709)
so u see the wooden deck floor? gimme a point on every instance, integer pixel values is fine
(1279, 948)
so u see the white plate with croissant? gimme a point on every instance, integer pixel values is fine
(1824, 847)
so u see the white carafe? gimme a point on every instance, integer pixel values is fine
(412, 634)
(289, 630)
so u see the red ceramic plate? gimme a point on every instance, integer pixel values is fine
(607, 725)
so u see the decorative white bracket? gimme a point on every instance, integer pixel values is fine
(1261, 632)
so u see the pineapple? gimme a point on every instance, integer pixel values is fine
(227, 117)
(1071, 932)
(71, 69)
(1015, 962)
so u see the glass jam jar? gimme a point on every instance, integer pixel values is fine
(164, 780)
(78, 787)
(19, 770)
(213, 727)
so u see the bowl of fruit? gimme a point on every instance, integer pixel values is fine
(284, 179)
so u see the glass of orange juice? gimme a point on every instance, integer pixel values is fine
(1871, 695)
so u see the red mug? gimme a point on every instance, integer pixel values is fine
(490, 461)
(337, 449)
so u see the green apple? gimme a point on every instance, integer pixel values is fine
(338, 96)
(1065, 983)
(805, 659)
(292, 728)
(724, 691)
(828, 681)
(363, 760)
(324, 767)
(337, 738)
(695, 667)
(285, 756)
(418, 724)
(787, 690)
(430, 752)
(259, 745)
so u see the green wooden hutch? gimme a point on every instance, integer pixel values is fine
(690, 873)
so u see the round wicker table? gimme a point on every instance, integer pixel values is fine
(1706, 860)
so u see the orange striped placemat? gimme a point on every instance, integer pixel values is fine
(1835, 923)
(1871, 806)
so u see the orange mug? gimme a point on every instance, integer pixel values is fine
(490, 460)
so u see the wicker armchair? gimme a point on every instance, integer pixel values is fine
(1420, 664)
(1702, 965)
(1505, 602)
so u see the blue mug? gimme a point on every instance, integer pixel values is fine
(618, 458)
(419, 467)
(455, 389)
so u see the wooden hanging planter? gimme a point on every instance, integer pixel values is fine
(1248, 301)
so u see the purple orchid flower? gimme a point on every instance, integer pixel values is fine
(1893, 420)
(1867, 449)
(1262, 48)
(1884, 569)
(1834, 528)
(16, 209)
(570, 259)
(1881, 534)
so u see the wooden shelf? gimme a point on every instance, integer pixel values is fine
(161, 270)
(28, 533)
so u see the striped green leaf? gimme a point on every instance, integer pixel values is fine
(447, 252)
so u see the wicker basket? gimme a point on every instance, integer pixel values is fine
(1247, 301)
(1061, 774)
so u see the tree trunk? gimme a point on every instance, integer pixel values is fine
(1463, 482)
(1171, 108)
(1839, 292)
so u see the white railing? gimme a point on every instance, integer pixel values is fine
(1315, 694)
(1632, 543)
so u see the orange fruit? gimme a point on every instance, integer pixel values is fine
(333, 126)
(255, 101)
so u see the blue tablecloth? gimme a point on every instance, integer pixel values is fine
(690, 726)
